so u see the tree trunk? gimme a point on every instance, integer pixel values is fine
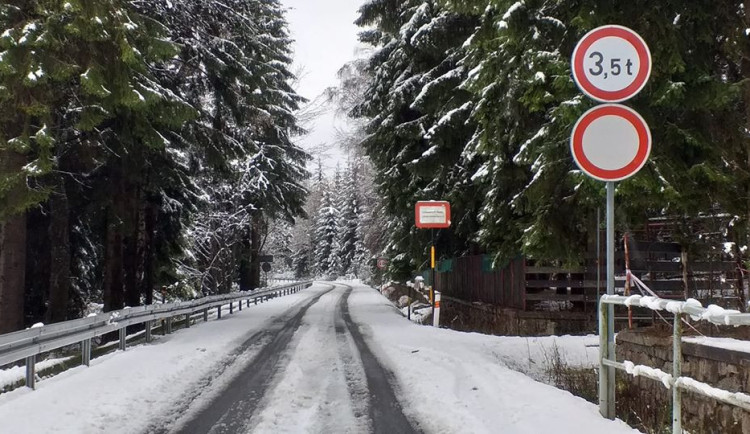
(131, 231)
(59, 237)
(12, 252)
(149, 223)
(740, 288)
(745, 66)
(12, 273)
(246, 278)
(685, 273)
(113, 266)
(255, 236)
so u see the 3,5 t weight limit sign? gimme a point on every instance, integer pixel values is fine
(611, 63)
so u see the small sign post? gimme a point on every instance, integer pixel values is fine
(266, 267)
(610, 143)
(432, 215)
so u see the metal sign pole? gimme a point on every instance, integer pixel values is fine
(597, 67)
(610, 410)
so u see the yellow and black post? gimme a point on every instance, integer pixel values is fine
(432, 266)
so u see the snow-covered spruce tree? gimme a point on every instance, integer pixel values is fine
(301, 266)
(354, 80)
(326, 243)
(234, 67)
(279, 244)
(419, 122)
(26, 105)
(348, 219)
(76, 86)
(527, 103)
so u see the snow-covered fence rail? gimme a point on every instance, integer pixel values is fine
(27, 344)
(674, 381)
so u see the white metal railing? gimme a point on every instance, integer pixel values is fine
(27, 344)
(675, 381)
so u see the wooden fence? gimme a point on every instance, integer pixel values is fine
(470, 279)
(520, 284)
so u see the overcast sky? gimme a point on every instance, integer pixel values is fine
(325, 38)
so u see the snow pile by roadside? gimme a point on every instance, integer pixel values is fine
(15, 374)
(126, 392)
(454, 382)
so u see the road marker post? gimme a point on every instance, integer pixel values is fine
(436, 310)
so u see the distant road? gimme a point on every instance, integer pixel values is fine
(313, 371)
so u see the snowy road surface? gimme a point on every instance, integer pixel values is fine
(334, 358)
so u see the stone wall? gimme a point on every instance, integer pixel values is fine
(489, 319)
(725, 369)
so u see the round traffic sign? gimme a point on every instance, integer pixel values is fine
(610, 142)
(382, 263)
(611, 63)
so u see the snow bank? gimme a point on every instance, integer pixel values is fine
(456, 382)
(126, 392)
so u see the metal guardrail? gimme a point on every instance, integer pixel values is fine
(675, 380)
(27, 344)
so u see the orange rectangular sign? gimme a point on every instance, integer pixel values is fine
(432, 214)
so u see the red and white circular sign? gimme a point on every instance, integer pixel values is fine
(610, 142)
(611, 63)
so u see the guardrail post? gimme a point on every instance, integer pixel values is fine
(255, 301)
(677, 373)
(187, 319)
(31, 372)
(86, 352)
(205, 315)
(218, 312)
(231, 307)
(149, 325)
(606, 407)
(239, 305)
(122, 338)
(169, 325)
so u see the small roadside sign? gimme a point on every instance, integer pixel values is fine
(382, 263)
(610, 142)
(265, 258)
(611, 63)
(265, 267)
(433, 214)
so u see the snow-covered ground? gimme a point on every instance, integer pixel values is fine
(448, 381)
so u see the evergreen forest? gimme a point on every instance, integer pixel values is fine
(144, 148)
(473, 102)
(147, 148)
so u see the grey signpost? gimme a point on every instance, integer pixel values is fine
(610, 142)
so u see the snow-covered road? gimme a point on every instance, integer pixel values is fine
(333, 358)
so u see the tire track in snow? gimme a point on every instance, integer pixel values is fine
(230, 410)
(312, 393)
(384, 409)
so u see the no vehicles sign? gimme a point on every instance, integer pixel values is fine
(610, 142)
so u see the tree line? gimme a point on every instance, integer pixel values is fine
(342, 231)
(144, 146)
(473, 102)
